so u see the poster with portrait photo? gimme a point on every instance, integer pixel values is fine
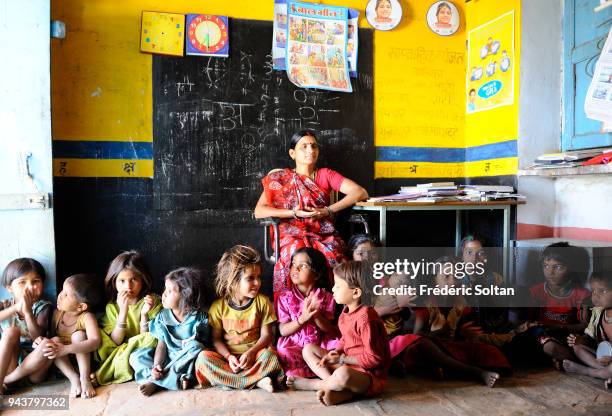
(383, 14)
(443, 18)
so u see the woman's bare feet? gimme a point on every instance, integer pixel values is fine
(75, 386)
(93, 379)
(330, 397)
(300, 383)
(489, 378)
(87, 389)
(266, 384)
(147, 389)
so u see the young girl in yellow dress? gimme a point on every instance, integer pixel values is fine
(242, 328)
(125, 326)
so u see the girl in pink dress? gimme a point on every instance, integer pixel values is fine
(305, 311)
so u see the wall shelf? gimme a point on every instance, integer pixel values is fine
(556, 172)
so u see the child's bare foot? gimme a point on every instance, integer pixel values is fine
(87, 389)
(147, 389)
(299, 383)
(75, 386)
(93, 379)
(489, 378)
(266, 384)
(608, 384)
(570, 366)
(330, 397)
(558, 364)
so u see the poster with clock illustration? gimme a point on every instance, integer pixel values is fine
(207, 35)
(162, 33)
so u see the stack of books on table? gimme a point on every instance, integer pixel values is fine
(489, 192)
(448, 191)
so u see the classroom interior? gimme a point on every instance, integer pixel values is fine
(93, 163)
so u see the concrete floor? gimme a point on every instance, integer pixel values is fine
(544, 392)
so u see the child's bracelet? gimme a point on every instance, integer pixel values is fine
(298, 321)
(330, 213)
(226, 356)
(121, 325)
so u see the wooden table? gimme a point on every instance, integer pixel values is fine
(457, 206)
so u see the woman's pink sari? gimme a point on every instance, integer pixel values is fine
(286, 189)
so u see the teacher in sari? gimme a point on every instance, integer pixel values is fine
(300, 197)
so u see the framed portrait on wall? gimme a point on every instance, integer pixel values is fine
(443, 18)
(383, 14)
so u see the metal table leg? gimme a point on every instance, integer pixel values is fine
(382, 234)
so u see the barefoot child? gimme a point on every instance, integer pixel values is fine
(125, 326)
(75, 331)
(358, 365)
(242, 322)
(597, 336)
(181, 330)
(558, 300)
(305, 311)
(24, 318)
(441, 333)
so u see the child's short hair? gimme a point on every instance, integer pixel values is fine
(87, 289)
(352, 272)
(19, 267)
(603, 277)
(576, 259)
(191, 288)
(358, 239)
(128, 260)
(471, 237)
(230, 268)
(317, 263)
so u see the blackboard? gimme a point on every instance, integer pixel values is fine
(220, 124)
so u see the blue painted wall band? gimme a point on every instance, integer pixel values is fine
(102, 150)
(446, 154)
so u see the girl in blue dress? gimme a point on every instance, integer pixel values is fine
(181, 330)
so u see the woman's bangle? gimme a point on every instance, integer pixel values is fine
(226, 356)
(298, 321)
(341, 359)
(121, 325)
(330, 213)
(293, 211)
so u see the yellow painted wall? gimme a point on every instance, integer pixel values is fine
(101, 83)
(498, 124)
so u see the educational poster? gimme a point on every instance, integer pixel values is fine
(598, 102)
(162, 33)
(279, 37)
(207, 35)
(316, 46)
(490, 75)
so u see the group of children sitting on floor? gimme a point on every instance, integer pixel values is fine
(172, 342)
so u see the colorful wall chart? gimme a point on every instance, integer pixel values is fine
(490, 73)
(316, 46)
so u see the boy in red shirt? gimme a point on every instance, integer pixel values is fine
(359, 364)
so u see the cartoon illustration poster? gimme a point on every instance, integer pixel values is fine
(279, 37)
(316, 46)
(490, 73)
